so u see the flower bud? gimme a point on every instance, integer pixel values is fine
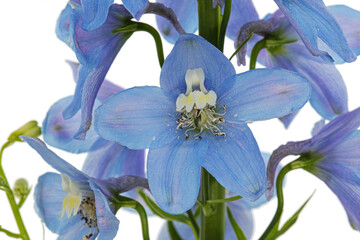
(21, 188)
(30, 129)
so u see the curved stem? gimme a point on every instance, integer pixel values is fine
(255, 52)
(14, 207)
(241, 45)
(193, 221)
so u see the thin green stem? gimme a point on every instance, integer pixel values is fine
(241, 46)
(301, 162)
(174, 235)
(23, 233)
(231, 199)
(10, 234)
(193, 221)
(224, 23)
(255, 52)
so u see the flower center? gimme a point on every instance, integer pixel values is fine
(79, 200)
(197, 107)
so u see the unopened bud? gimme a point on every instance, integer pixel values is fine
(30, 129)
(21, 188)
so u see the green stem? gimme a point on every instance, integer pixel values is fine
(193, 221)
(299, 163)
(209, 21)
(213, 224)
(139, 26)
(255, 52)
(224, 23)
(10, 234)
(240, 47)
(23, 233)
(231, 199)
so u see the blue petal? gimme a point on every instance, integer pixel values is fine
(174, 173)
(235, 161)
(186, 12)
(136, 7)
(54, 160)
(49, 196)
(95, 50)
(242, 11)
(349, 21)
(138, 118)
(114, 160)
(107, 223)
(59, 133)
(317, 127)
(63, 25)
(340, 170)
(311, 21)
(329, 95)
(287, 119)
(335, 131)
(263, 94)
(95, 13)
(190, 52)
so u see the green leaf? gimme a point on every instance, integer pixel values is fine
(159, 212)
(174, 235)
(238, 231)
(292, 220)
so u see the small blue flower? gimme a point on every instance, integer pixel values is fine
(336, 145)
(84, 200)
(329, 95)
(198, 119)
(96, 51)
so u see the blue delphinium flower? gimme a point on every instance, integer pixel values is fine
(329, 95)
(334, 157)
(84, 200)
(95, 50)
(198, 119)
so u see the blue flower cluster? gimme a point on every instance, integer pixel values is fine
(197, 118)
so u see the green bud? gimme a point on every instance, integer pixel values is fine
(21, 188)
(30, 129)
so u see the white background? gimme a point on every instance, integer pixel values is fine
(34, 75)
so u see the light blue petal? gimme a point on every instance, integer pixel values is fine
(49, 196)
(349, 21)
(191, 52)
(340, 170)
(242, 11)
(107, 88)
(317, 127)
(174, 173)
(138, 118)
(235, 161)
(186, 12)
(136, 7)
(107, 223)
(329, 94)
(287, 119)
(114, 160)
(95, 50)
(311, 20)
(63, 25)
(95, 13)
(263, 94)
(59, 133)
(54, 160)
(335, 131)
